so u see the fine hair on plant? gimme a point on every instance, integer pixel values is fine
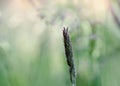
(69, 56)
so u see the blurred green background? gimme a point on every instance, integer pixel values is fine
(32, 48)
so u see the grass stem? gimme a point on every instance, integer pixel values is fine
(69, 56)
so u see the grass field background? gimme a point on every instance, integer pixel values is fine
(32, 48)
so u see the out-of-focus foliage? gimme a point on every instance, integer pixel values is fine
(31, 42)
